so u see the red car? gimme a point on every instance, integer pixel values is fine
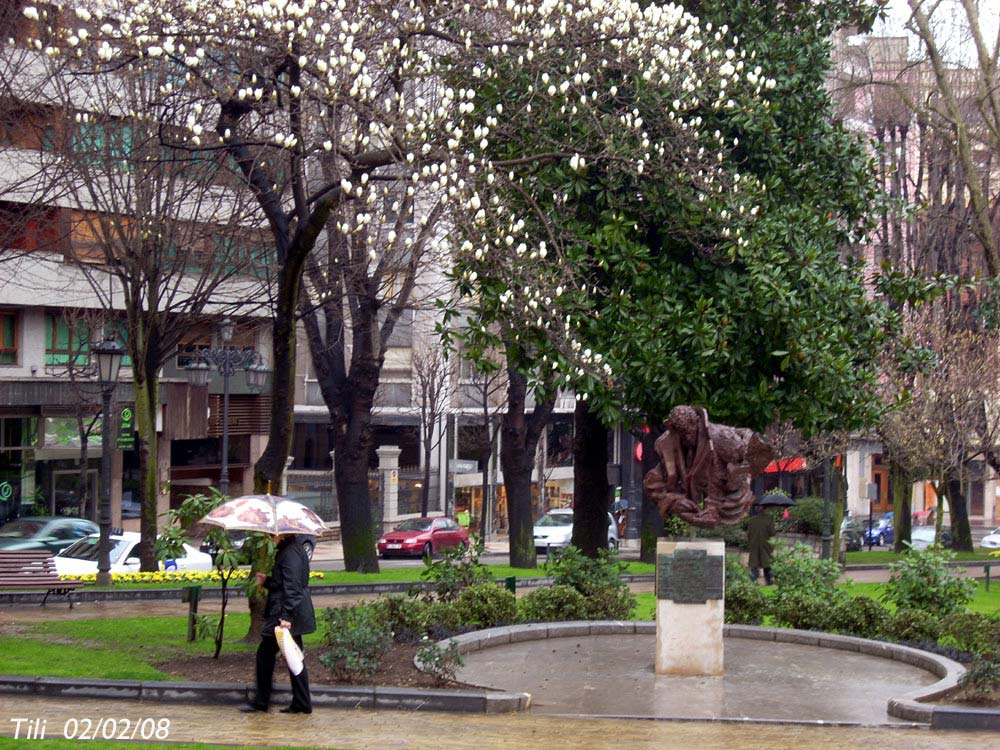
(422, 537)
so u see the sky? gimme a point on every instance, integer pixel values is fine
(898, 11)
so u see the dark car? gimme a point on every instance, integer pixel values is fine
(422, 537)
(51, 533)
(881, 531)
(853, 535)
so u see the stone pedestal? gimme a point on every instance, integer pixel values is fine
(690, 584)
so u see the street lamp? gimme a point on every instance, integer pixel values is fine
(227, 361)
(108, 354)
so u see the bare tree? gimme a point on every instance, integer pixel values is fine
(949, 416)
(158, 233)
(481, 388)
(434, 383)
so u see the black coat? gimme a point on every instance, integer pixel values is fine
(288, 590)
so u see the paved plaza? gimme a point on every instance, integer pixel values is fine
(386, 730)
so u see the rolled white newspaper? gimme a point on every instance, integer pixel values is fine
(290, 650)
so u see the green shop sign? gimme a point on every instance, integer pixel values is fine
(126, 429)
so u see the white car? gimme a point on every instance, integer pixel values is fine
(80, 558)
(555, 529)
(991, 540)
(922, 537)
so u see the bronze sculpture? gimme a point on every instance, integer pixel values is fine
(704, 472)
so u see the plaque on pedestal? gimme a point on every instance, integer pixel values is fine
(690, 585)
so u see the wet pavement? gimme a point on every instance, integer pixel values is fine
(370, 730)
(612, 675)
(774, 683)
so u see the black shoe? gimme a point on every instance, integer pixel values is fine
(249, 708)
(296, 710)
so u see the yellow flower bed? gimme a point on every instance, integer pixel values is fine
(172, 576)
(995, 553)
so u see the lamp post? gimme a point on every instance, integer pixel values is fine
(227, 361)
(827, 520)
(108, 354)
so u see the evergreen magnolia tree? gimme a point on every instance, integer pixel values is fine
(676, 236)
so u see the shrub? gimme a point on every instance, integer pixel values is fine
(405, 616)
(972, 631)
(981, 683)
(598, 579)
(443, 663)
(485, 605)
(355, 640)
(913, 625)
(806, 594)
(733, 536)
(610, 604)
(803, 610)
(675, 526)
(456, 569)
(806, 516)
(861, 616)
(745, 603)
(798, 569)
(922, 580)
(443, 619)
(552, 603)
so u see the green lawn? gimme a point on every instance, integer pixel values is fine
(884, 557)
(32, 657)
(387, 575)
(125, 648)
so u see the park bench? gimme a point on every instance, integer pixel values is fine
(34, 570)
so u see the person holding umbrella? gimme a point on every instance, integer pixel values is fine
(290, 607)
(288, 603)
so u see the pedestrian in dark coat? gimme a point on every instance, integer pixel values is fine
(290, 606)
(760, 529)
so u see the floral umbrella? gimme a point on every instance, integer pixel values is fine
(268, 513)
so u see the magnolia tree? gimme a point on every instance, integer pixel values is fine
(577, 115)
(322, 104)
(662, 228)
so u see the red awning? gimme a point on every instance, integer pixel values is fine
(786, 464)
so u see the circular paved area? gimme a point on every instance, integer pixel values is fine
(612, 675)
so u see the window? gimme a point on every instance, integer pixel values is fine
(67, 342)
(104, 145)
(8, 337)
(188, 352)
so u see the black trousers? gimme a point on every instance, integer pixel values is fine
(267, 653)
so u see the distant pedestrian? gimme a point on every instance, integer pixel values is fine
(760, 529)
(290, 606)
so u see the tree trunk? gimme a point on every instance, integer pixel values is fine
(652, 523)
(425, 495)
(961, 532)
(88, 504)
(147, 401)
(485, 453)
(357, 526)
(902, 486)
(521, 433)
(352, 447)
(590, 481)
(271, 464)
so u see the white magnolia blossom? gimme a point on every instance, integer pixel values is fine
(392, 102)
